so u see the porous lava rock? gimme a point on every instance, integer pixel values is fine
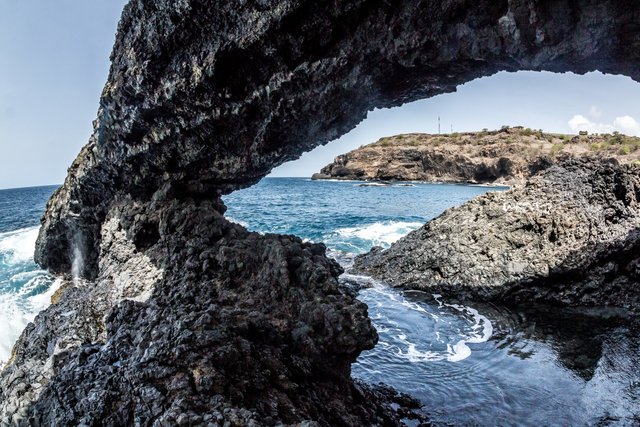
(226, 327)
(176, 316)
(570, 236)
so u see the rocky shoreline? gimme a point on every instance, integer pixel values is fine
(509, 156)
(174, 316)
(263, 336)
(568, 237)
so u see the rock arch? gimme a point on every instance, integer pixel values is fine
(210, 97)
(188, 318)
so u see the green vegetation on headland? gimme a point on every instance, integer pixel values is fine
(612, 143)
(506, 156)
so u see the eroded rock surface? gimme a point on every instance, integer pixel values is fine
(569, 236)
(184, 318)
(212, 96)
(237, 328)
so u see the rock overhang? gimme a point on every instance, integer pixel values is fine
(213, 98)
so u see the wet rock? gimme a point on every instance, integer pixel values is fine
(569, 236)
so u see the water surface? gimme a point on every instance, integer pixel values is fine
(478, 365)
(469, 365)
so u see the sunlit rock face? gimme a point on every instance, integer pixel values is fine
(568, 237)
(204, 98)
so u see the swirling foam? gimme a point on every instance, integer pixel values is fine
(454, 326)
(379, 233)
(18, 246)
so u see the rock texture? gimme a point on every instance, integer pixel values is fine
(218, 326)
(182, 318)
(570, 236)
(507, 157)
(212, 96)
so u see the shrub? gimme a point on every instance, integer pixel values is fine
(556, 149)
(616, 139)
(526, 132)
(625, 149)
(605, 144)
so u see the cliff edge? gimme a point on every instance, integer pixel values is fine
(508, 156)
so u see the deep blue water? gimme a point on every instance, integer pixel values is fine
(23, 207)
(478, 365)
(347, 216)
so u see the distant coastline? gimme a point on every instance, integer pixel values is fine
(505, 157)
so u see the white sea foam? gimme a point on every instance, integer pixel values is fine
(452, 335)
(380, 233)
(19, 308)
(25, 293)
(373, 184)
(18, 246)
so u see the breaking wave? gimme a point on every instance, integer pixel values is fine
(25, 290)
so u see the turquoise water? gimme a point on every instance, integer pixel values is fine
(469, 365)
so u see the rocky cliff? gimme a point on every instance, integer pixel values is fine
(174, 315)
(509, 156)
(570, 236)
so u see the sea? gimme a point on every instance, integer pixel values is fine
(469, 364)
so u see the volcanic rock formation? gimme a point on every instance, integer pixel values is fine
(177, 316)
(570, 236)
(217, 325)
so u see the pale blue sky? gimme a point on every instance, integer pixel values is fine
(55, 62)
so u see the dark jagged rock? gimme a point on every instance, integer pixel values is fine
(212, 96)
(182, 316)
(569, 236)
(237, 327)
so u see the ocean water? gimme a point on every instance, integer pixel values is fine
(469, 364)
(25, 290)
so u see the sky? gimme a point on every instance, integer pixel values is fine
(54, 61)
